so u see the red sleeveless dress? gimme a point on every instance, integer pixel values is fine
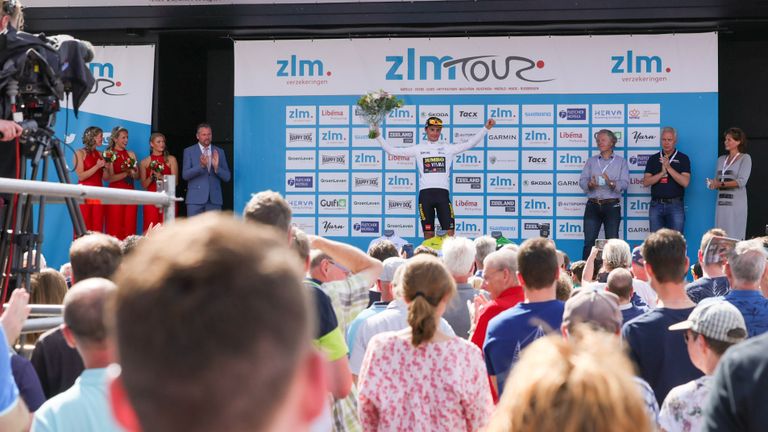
(121, 218)
(152, 214)
(93, 211)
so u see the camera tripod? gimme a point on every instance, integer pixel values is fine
(19, 240)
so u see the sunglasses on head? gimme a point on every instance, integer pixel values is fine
(434, 122)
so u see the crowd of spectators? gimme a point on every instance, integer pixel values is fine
(246, 324)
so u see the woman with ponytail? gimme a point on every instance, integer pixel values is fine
(153, 168)
(89, 167)
(122, 169)
(419, 378)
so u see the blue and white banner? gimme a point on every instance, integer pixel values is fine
(122, 96)
(297, 129)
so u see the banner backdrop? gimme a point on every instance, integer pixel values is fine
(298, 131)
(122, 96)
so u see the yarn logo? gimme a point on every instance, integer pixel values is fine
(105, 79)
(337, 227)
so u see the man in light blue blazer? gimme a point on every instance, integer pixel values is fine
(204, 168)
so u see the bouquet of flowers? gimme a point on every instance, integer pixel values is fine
(109, 156)
(375, 106)
(129, 164)
(157, 168)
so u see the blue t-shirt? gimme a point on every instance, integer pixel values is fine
(667, 187)
(27, 381)
(9, 393)
(513, 330)
(705, 287)
(375, 308)
(753, 307)
(661, 356)
(631, 313)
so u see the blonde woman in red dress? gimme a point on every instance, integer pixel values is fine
(121, 218)
(158, 165)
(89, 167)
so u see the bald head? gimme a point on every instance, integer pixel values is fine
(620, 283)
(84, 309)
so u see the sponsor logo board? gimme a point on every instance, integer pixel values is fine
(393, 162)
(570, 206)
(301, 204)
(504, 114)
(502, 205)
(366, 182)
(403, 227)
(503, 137)
(360, 138)
(643, 137)
(538, 114)
(333, 226)
(638, 206)
(469, 160)
(300, 159)
(618, 131)
(636, 184)
(501, 182)
(366, 204)
(334, 114)
(468, 205)
(468, 114)
(366, 159)
(607, 113)
(530, 227)
(300, 115)
(333, 137)
(333, 182)
(400, 182)
(571, 160)
(399, 204)
(638, 159)
(537, 183)
(637, 229)
(536, 205)
(462, 135)
(306, 224)
(400, 137)
(333, 204)
(300, 182)
(405, 115)
(508, 227)
(537, 160)
(537, 137)
(643, 113)
(572, 114)
(333, 159)
(366, 227)
(300, 137)
(502, 160)
(573, 137)
(569, 229)
(468, 182)
(470, 228)
(568, 183)
(443, 112)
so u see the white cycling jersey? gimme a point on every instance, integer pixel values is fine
(434, 159)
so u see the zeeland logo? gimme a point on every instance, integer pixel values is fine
(479, 68)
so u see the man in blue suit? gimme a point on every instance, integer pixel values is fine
(204, 168)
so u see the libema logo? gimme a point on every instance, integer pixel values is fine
(295, 66)
(631, 63)
(475, 68)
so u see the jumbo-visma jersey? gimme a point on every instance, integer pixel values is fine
(434, 159)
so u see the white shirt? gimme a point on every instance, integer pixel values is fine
(395, 318)
(643, 290)
(206, 151)
(434, 159)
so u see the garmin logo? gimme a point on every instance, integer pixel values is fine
(638, 229)
(567, 183)
(502, 137)
(362, 181)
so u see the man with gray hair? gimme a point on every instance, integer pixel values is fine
(668, 173)
(85, 406)
(459, 257)
(744, 269)
(483, 247)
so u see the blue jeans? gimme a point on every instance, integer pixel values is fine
(596, 215)
(666, 215)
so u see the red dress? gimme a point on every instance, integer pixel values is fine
(93, 211)
(152, 214)
(121, 218)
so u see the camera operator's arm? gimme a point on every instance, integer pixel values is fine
(9, 130)
(80, 170)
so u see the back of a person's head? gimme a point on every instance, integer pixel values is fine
(747, 262)
(563, 287)
(211, 323)
(563, 260)
(47, 287)
(707, 236)
(483, 247)
(620, 283)
(269, 208)
(84, 309)
(382, 250)
(425, 283)
(300, 244)
(537, 263)
(665, 252)
(458, 255)
(577, 269)
(95, 255)
(502, 259)
(617, 254)
(424, 250)
(571, 386)
(128, 244)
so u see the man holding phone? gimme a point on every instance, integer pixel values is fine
(667, 173)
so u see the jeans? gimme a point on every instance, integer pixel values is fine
(595, 215)
(666, 215)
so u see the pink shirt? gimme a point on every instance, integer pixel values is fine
(436, 386)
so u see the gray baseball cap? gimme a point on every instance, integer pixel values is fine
(716, 319)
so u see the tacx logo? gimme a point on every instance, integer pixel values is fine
(467, 114)
(632, 63)
(105, 79)
(474, 68)
(295, 66)
(537, 159)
